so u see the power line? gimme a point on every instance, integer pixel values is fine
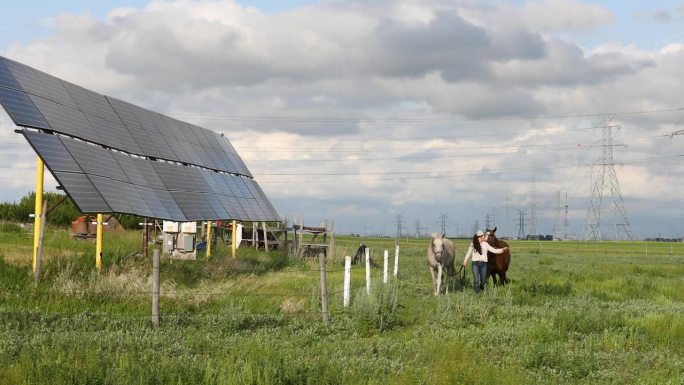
(348, 119)
(445, 174)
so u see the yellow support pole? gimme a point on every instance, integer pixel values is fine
(233, 246)
(40, 174)
(98, 243)
(208, 239)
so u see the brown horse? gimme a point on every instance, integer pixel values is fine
(497, 264)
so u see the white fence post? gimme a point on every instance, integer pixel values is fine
(396, 261)
(347, 280)
(385, 267)
(368, 271)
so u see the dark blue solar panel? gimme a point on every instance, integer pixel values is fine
(232, 207)
(216, 205)
(121, 197)
(21, 109)
(65, 120)
(28, 78)
(194, 206)
(52, 151)
(125, 111)
(149, 173)
(152, 202)
(82, 192)
(170, 205)
(6, 77)
(92, 103)
(113, 135)
(94, 159)
(175, 177)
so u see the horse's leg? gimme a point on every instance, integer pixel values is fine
(448, 280)
(434, 280)
(504, 279)
(439, 279)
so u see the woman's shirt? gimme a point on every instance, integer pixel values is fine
(477, 257)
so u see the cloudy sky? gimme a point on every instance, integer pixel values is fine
(361, 111)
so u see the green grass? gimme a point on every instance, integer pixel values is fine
(574, 313)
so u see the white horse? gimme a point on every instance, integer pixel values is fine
(440, 256)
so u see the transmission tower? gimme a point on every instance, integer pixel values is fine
(507, 217)
(487, 221)
(476, 226)
(557, 221)
(443, 221)
(602, 214)
(533, 212)
(399, 220)
(418, 229)
(521, 224)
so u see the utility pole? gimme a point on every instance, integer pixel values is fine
(566, 227)
(557, 220)
(604, 181)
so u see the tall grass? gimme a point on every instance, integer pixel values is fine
(568, 317)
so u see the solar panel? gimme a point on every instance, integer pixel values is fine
(216, 206)
(65, 120)
(106, 153)
(113, 192)
(6, 77)
(125, 112)
(149, 173)
(209, 180)
(194, 206)
(113, 135)
(52, 151)
(232, 207)
(94, 159)
(82, 191)
(175, 177)
(191, 152)
(155, 206)
(28, 78)
(130, 169)
(92, 103)
(21, 109)
(170, 205)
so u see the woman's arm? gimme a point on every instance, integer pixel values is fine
(468, 255)
(489, 248)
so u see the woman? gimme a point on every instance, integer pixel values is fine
(478, 251)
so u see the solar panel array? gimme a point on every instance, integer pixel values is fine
(111, 156)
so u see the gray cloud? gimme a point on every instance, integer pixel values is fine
(308, 90)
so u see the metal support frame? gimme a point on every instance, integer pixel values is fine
(208, 239)
(37, 220)
(233, 246)
(98, 243)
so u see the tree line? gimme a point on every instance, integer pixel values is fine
(61, 215)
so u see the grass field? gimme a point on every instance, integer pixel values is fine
(574, 313)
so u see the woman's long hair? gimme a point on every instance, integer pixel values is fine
(476, 244)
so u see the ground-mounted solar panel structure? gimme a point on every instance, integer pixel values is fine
(111, 156)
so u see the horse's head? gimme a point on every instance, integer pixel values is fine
(490, 235)
(437, 244)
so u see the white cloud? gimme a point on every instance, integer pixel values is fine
(341, 83)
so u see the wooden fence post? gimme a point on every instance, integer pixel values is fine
(368, 271)
(155, 287)
(324, 287)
